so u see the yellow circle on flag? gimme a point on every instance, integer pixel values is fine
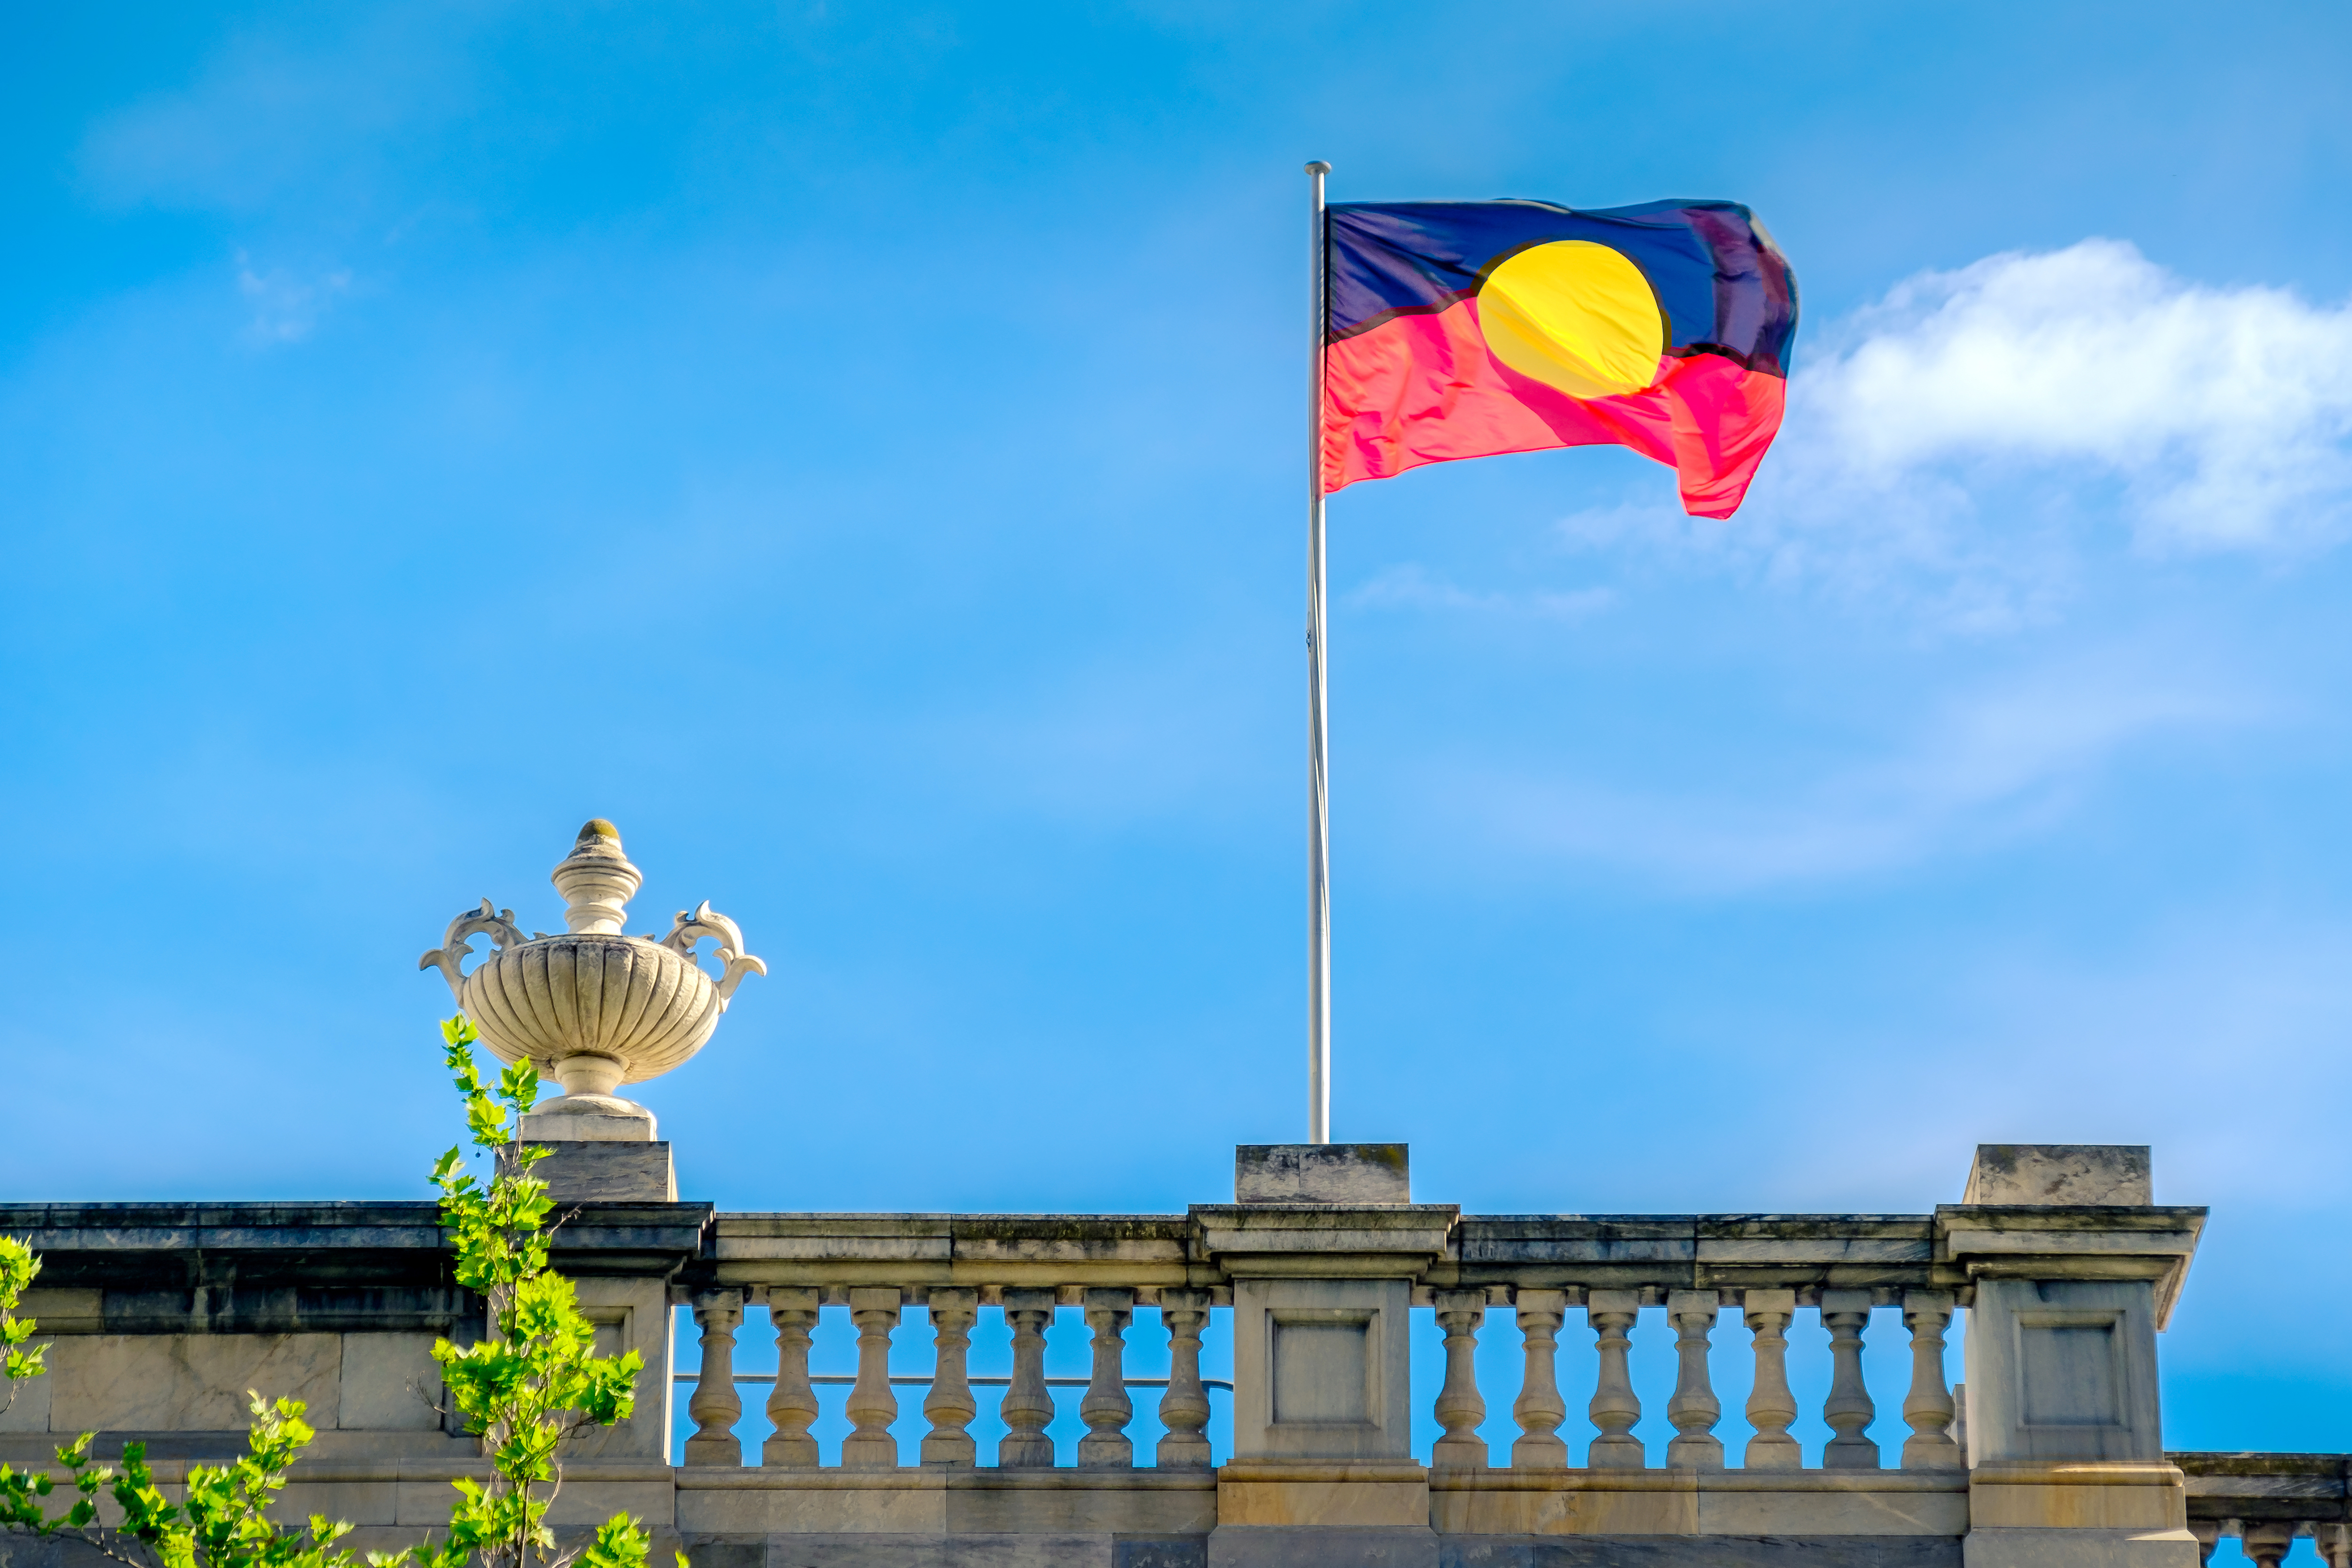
(1576, 315)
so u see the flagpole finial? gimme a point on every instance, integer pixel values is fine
(1319, 167)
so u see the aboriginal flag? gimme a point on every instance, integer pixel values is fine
(1467, 329)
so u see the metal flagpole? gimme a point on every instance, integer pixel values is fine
(1319, 818)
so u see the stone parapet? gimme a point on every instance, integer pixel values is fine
(161, 1315)
(164, 1315)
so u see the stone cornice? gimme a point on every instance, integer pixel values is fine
(2088, 1241)
(283, 1268)
(1325, 1241)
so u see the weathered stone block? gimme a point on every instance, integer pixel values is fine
(1706, 1552)
(1321, 1369)
(390, 1384)
(353, 1502)
(1321, 1173)
(1567, 1502)
(1323, 1495)
(2080, 1549)
(2077, 1496)
(1260, 1546)
(188, 1381)
(1149, 1506)
(595, 1172)
(2078, 1515)
(2060, 1175)
(1802, 1503)
(28, 1410)
(64, 1312)
(591, 1119)
(630, 1314)
(2064, 1369)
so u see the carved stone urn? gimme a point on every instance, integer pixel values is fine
(589, 1006)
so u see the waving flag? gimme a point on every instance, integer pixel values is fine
(1467, 329)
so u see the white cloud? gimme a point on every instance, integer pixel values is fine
(1411, 586)
(284, 305)
(1952, 449)
(267, 117)
(1978, 770)
(2224, 410)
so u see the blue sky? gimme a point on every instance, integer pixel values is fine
(855, 448)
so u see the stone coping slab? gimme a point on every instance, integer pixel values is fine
(1685, 1479)
(758, 1478)
(240, 1252)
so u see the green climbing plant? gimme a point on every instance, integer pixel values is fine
(18, 1360)
(524, 1387)
(534, 1378)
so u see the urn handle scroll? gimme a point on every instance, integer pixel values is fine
(457, 944)
(704, 921)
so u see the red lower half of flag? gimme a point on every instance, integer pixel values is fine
(1423, 389)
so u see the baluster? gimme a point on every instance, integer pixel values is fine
(950, 1402)
(1184, 1408)
(1106, 1409)
(1771, 1406)
(1694, 1409)
(2266, 1543)
(1459, 1409)
(1539, 1409)
(1615, 1408)
(2333, 1543)
(793, 1406)
(872, 1405)
(1848, 1409)
(716, 1408)
(1028, 1405)
(2208, 1533)
(1928, 1409)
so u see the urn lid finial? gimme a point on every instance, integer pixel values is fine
(596, 881)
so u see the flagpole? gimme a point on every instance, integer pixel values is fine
(1318, 817)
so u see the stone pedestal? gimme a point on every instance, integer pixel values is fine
(588, 1119)
(2027, 1514)
(2076, 1270)
(1323, 1247)
(602, 1150)
(596, 1172)
(1321, 1173)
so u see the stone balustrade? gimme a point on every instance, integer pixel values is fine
(1536, 1274)
(2268, 1502)
(1324, 1273)
(953, 1268)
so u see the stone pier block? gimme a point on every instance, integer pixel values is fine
(2060, 1175)
(1310, 1514)
(1321, 1173)
(600, 1172)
